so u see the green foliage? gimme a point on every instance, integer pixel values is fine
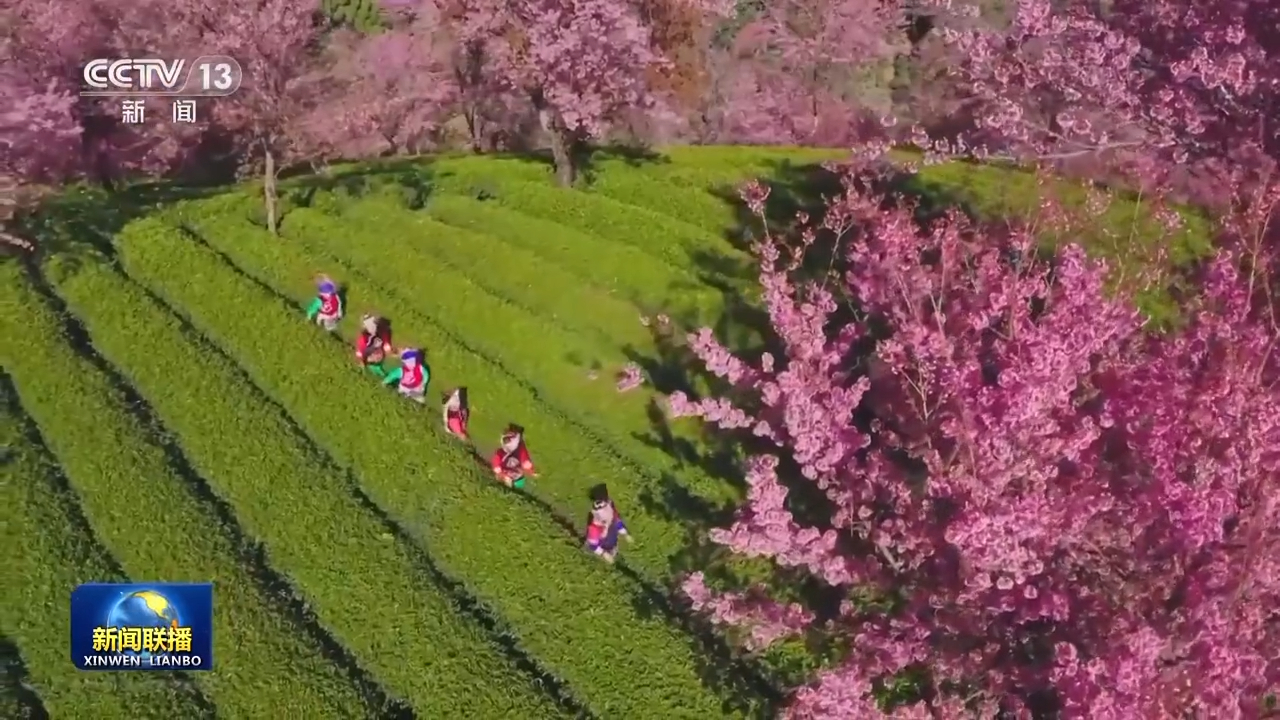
(47, 552)
(361, 15)
(529, 295)
(365, 587)
(153, 524)
(517, 560)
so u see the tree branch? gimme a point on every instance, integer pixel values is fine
(1064, 155)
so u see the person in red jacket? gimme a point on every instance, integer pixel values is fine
(326, 309)
(374, 344)
(511, 462)
(412, 377)
(456, 413)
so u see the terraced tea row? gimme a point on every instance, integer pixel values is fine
(594, 325)
(565, 447)
(366, 587)
(625, 224)
(574, 615)
(690, 292)
(571, 419)
(517, 273)
(150, 519)
(618, 270)
(48, 547)
(624, 268)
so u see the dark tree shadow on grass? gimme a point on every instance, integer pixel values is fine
(742, 686)
(587, 159)
(743, 326)
(16, 681)
(410, 181)
(84, 219)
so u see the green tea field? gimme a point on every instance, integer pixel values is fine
(171, 416)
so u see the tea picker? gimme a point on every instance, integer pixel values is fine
(326, 308)
(373, 344)
(456, 413)
(511, 462)
(412, 377)
(604, 525)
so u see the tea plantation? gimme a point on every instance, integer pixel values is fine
(170, 416)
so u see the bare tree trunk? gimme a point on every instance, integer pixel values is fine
(561, 151)
(9, 191)
(96, 127)
(269, 187)
(8, 239)
(393, 147)
(474, 128)
(468, 73)
(562, 142)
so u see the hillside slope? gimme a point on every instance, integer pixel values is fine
(531, 296)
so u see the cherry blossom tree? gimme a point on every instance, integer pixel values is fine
(42, 47)
(824, 45)
(49, 134)
(494, 109)
(578, 63)
(390, 90)
(38, 133)
(1161, 85)
(276, 43)
(1060, 512)
(798, 71)
(751, 103)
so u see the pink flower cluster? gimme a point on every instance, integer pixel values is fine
(1061, 502)
(630, 378)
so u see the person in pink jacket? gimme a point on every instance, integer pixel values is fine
(604, 525)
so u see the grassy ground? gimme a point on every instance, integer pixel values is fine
(367, 565)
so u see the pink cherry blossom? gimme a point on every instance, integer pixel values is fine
(1020, 463)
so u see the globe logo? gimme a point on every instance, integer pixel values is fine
(143, 609)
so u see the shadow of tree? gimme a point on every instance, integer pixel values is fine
(410, 180)
(84, 219)
(742, 326)
(16, 681)
(743, 686)
(932, 196)
(588, 158)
